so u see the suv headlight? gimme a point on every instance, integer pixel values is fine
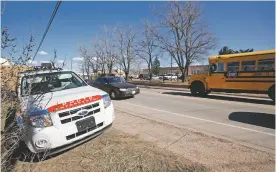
(123, 89)
(40, 119)
(106, 100)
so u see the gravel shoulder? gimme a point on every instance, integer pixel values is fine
(215, 153)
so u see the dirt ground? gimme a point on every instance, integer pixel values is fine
(113, 151)
(214, 152)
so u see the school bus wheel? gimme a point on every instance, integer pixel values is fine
(271, 92)
(198, 89)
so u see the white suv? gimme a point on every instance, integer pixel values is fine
(59, 110)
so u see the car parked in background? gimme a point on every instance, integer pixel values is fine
(155, 77)
(144, 77)
(170, 77)
(147, 77)
(116, 86)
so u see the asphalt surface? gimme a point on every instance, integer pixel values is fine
(244, 119)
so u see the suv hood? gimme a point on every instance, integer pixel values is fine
(124, 85)
(69, 98)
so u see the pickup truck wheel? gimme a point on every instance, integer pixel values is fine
(112, 94)
(271, 93)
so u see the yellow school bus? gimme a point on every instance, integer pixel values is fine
(252, 72)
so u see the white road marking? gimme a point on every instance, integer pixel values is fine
(201, 119)
(217, 100)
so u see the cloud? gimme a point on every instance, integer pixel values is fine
(32, 62)
(60, 61)
(78, 58)
(42, 53)
(45, 61)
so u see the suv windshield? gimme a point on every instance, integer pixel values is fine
(49, 82)
(116, 80)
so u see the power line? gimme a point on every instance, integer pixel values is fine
(47, 28)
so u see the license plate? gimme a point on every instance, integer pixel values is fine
(85, 124)
(133, 92)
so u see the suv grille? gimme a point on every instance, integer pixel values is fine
(72, 115)
(69, 137)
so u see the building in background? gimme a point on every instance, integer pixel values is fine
(116, 72)
(198, 69)
(175, 70)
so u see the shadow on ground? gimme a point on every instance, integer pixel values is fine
(122, 98)
(228, 98)
(254, 118)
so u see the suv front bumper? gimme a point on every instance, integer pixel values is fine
(56, 138)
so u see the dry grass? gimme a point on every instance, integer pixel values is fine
(114, 151)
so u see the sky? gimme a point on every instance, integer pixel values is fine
(238, 25)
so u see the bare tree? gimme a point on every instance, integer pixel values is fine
(105, 50)
(87, 64)
(100, 55)
(147, 47)
(126, 47)
(136, 69)
(11, 135)
(54, 62)
(109, 48)
(182, 34)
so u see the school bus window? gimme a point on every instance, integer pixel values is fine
(233, 66)
(248, 65)
(219, 67)
(267, 64)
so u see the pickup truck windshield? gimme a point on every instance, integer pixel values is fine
(49, 82)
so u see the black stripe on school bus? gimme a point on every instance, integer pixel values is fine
(249, 80)
(255, 76)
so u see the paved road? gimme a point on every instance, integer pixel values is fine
(248, 120)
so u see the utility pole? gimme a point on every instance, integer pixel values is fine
(120, 69)
(71, 64)
(171, 68)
